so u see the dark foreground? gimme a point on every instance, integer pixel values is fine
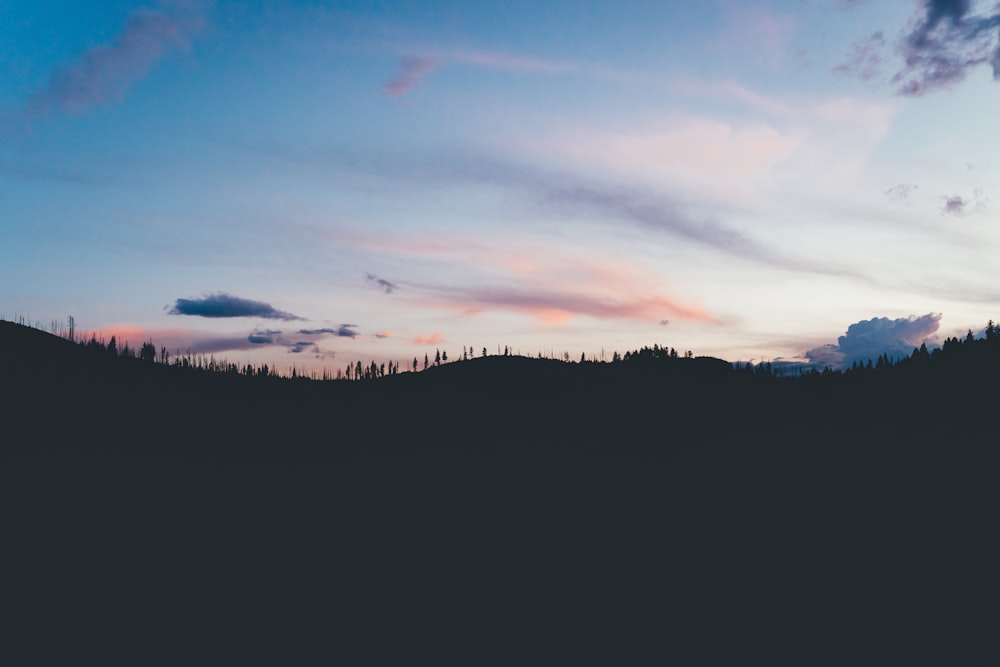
(500, 511)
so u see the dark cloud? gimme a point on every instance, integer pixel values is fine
(266, 337)
(946, 40)
(869, 339)
(409, 73)
(901, 191)
(303, 346)
(865, 59)
(227, 305)
(104, 73)
(343, 331)
(381, 283)
(953, 206)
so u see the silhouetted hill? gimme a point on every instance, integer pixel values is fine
(663, 508)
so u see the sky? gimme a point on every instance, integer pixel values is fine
(313, 183)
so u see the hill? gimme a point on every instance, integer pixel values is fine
(597, 507)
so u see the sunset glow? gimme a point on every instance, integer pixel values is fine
(314, 184)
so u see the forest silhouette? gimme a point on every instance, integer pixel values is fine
(656, 505)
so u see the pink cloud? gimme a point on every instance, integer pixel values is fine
(411, 70)
(552, 286)
(555, 306)
(434, 339)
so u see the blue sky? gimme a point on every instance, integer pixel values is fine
(314, 183)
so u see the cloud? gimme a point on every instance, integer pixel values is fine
(865, 59)
(901, 191)
(266, 337)
(302, 346)
(609, 202)
(946, 41)
(869, 339)
(434, 339)
(227, 305)
(104, 73)
(411, 70)
(953, 206)
(343, 331)
(381, 283)
(664, 215)
(556, 306)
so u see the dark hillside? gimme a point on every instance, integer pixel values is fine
(611, 512)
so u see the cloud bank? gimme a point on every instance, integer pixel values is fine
(104, 73)
(227, 305)
(869, 339)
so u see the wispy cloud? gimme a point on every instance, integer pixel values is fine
(342, 331)
(226, 305)
(381, 283)
(865, 59)
(557, 306)
(600, 200)
(945, 41)
(869, 339)
(900, 192)
(409, 73)
(433, 339)
(660, 214)
(104, 73)
(552, 285)
(411, 69)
